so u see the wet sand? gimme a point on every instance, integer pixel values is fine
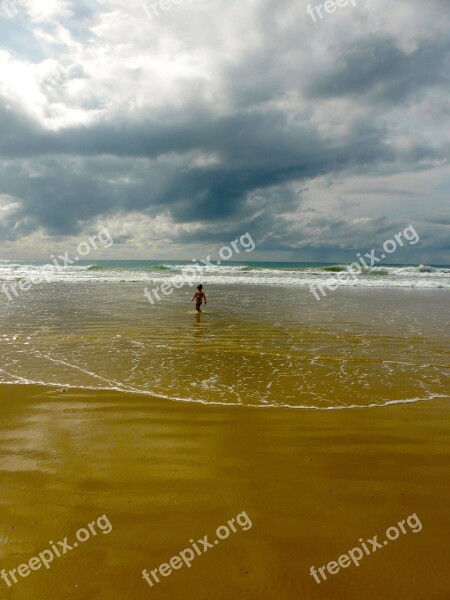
(312, 483)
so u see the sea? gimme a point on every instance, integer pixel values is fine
(262, 340)
(288, 274)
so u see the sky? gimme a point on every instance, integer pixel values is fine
(181, 126)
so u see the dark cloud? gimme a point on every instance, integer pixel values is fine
(378, 68)
(233, 147)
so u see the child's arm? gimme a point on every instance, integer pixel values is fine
(193, 297)
(204, 296)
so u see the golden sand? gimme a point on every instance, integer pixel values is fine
(312, 483)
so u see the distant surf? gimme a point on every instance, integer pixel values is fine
(232, 273)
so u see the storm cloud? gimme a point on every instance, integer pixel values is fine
(216, 118)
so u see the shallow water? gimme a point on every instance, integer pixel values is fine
(253, 345)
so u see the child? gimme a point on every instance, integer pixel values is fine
(199, 295)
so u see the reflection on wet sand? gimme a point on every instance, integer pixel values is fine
(314, 482)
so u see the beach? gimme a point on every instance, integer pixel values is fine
(314, 425)
(312, 483)
(288, 164)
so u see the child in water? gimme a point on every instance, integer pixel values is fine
(199, 296)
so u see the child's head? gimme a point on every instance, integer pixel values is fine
(200, 287)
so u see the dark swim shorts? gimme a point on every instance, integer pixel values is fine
(198, 305)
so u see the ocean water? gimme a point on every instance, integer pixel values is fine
(236, 273)
(263, 340)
